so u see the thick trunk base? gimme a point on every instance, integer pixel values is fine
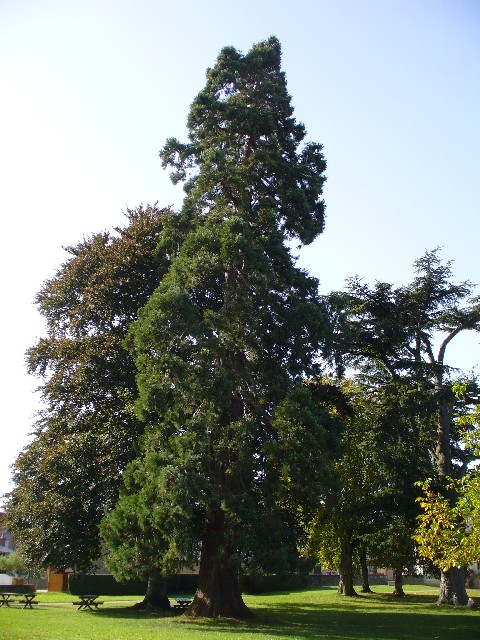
(156, 598)
(398, 591)
(453, 587)
(346, 589)
(226, 604)
(363, 561)
(218, 593)
(345, 585)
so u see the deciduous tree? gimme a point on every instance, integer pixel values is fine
(449, 533)
(87, 431)
(383, 453)
(403, 333)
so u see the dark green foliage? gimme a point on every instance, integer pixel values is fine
(104, 585)
(270, 583)
(393, 331)
(225, 343)
(107, 585)
(20, 588)
(396, 338)
(68, 476)
(243, 148)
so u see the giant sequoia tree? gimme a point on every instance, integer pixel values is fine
(226, 342)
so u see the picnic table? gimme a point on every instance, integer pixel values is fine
(87, 601)
(26, 598)
(6, 599)
(182, 603)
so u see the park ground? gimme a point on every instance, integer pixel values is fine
(314, 613)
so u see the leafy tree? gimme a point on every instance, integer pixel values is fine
(68, 476)
(136, 533)
(225, 343)
(373, 515)
(449, 535)
(391, 334)
(341, 521)
(14, 563)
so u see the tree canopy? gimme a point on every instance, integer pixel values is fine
(449, 534)
(226, 342)
(187, 414)
(68, 476)
(398, 335)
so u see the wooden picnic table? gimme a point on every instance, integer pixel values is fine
(6, 598)
(87, 601)
(27, 598)
(182, 603)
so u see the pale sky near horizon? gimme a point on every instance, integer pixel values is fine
(90, 90)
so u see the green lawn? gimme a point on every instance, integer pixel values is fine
(315, 613)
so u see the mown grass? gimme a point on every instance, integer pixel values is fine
(314, 613)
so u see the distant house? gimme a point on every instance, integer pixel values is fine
(6, 540)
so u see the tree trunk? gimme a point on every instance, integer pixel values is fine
(218, 592)
(443, 455)
(452, 582)
(363, 562)
(345, 585)
(398, 577)
(452, 587)
(156, 596)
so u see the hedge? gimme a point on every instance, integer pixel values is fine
(106, 585)
(18, 588)
(261, 583)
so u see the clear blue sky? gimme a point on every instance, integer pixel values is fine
(90, 90)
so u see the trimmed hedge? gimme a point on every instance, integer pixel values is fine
(19, 588)
(182, 583)
(106, 585)
(259, 583)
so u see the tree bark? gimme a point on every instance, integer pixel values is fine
(218, 593)
(156, 596)
(452, 582)
(453, 587)
(363, 562)
(345, 585)
(398, 577)
(443, 454)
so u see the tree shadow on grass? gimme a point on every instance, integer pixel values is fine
(364, 618)
(351, 626)
(133, 613)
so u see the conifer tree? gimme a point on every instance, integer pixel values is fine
(225, 344)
